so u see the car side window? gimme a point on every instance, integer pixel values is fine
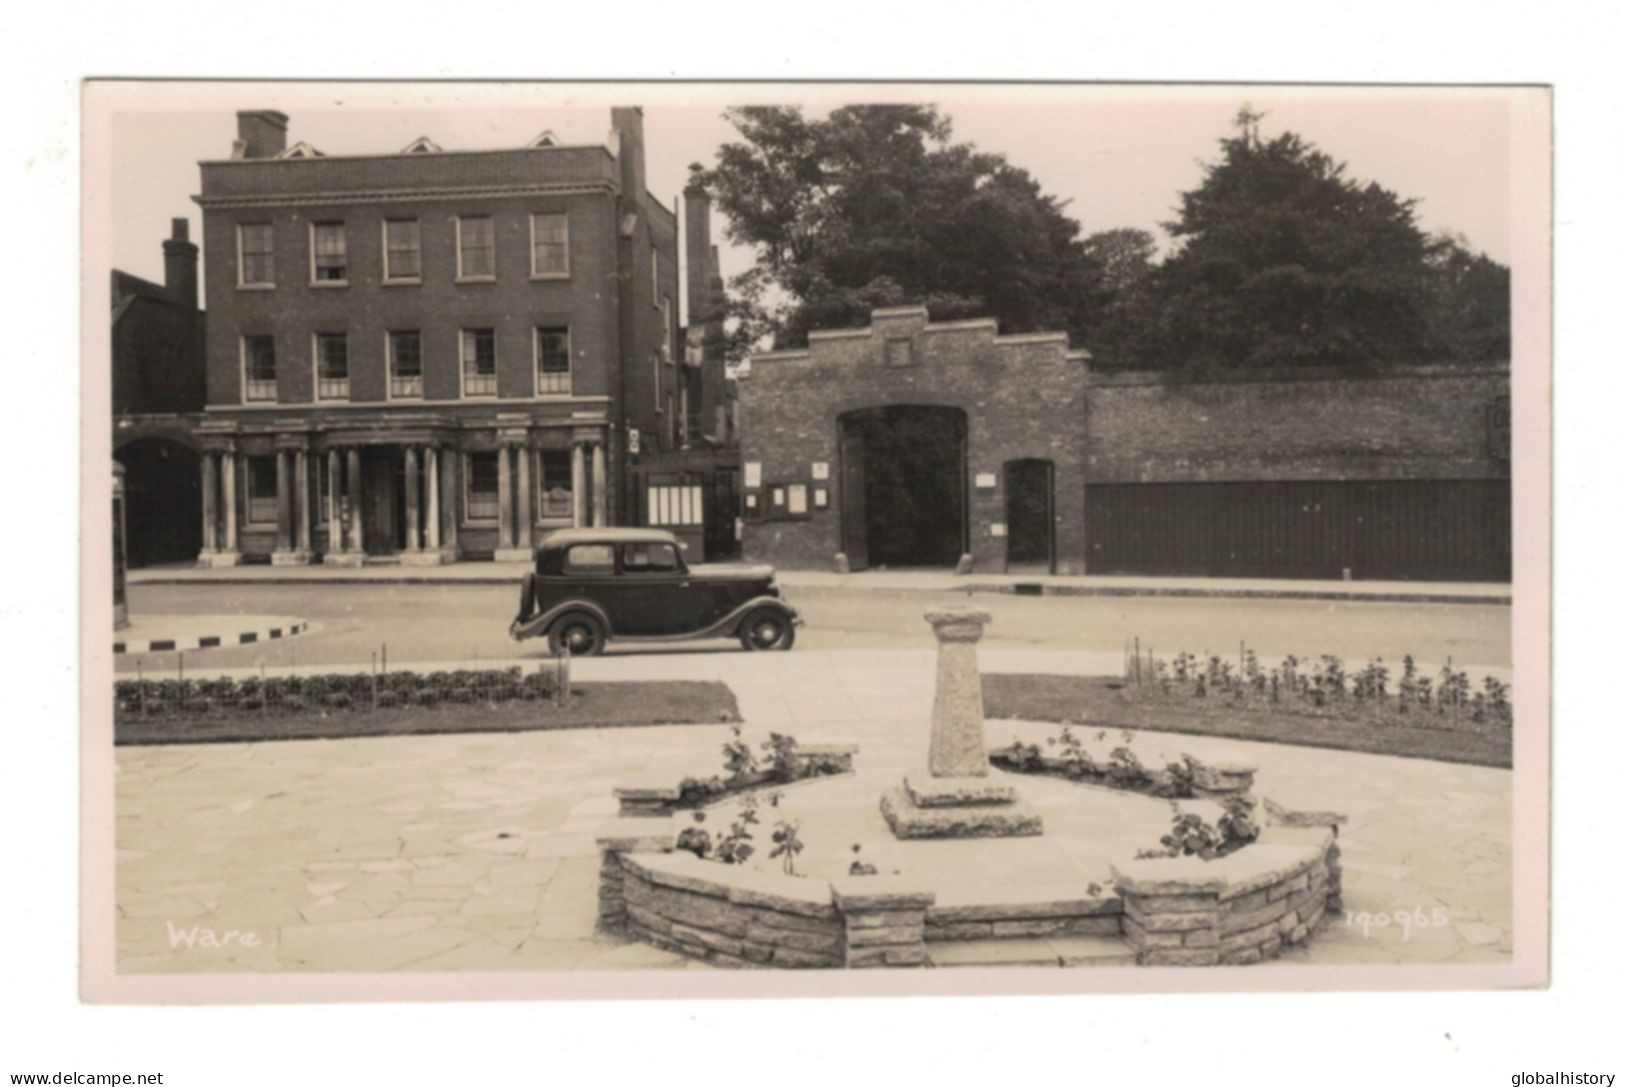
(590, 559)
(649, 558)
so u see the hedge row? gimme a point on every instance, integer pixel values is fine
(137, 699)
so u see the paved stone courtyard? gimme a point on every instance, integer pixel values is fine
(477, 852)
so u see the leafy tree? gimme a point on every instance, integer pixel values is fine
(1125, 256)
(873, 206)
(1284, 261)
(1469, 303)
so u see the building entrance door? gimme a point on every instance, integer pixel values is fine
(1029, 514)
(382, 530)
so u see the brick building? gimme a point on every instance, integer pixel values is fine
(909, 443)
(433, 354)
(157, 335)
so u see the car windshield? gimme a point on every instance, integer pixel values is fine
(647, 558)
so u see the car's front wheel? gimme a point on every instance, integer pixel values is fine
(765, 629)
(580, 632)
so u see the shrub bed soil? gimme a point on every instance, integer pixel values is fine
(1104, 702)
(591, 705)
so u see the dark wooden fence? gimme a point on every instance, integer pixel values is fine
(1434, 530)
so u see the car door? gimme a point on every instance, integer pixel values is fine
(587, 572)
(656, 596)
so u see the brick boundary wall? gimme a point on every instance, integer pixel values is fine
(1418, 422)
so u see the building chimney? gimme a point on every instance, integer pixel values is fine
(628, 121)
(262, 132)
(698, 248)
(180, 263)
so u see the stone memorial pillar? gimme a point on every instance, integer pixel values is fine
(957, 795)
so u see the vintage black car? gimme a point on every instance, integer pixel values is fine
(594, 585)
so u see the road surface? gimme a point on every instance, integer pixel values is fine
(469, 622)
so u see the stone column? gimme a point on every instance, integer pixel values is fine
(357, 542)
(578, 485)
(527, 520)
(956, 796)
(228, 492)
(335, 503)
(284, 506)
(431, 482)
(504, 500)
(413, 529)
(450, 503)
(301, 463)
(210, 486)
(600, 499)
(957, 748)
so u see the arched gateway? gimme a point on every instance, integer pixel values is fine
(903, 485)
(909, 444)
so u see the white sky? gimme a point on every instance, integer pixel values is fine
(1119, 154)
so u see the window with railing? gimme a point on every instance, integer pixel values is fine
(403, 249)
(482, 492)
(329, 259)
(259, 485)
(259, 368)
(332, 366)
(553, 361)
(476, 247)
(479, 362)
(405, 364)
(550, 245)
(257, 248)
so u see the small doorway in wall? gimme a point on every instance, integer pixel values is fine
(1029, 515)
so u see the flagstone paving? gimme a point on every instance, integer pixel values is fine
(477, 852)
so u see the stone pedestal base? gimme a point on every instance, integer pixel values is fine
(512, 554)
(208, 560)
(344, 558)
(424, 558)
(291, 558)
(930, 792)
(909, 819)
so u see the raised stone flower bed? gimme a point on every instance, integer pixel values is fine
(662, 796)
(1241, 908)
(988, 890)
(1169, 774)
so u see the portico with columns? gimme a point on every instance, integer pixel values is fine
(419, 491)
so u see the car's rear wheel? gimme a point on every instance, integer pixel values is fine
(765, 629)
(579, 631)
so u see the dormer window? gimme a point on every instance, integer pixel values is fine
(423, 145)
(546, 139)
(300, 150)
